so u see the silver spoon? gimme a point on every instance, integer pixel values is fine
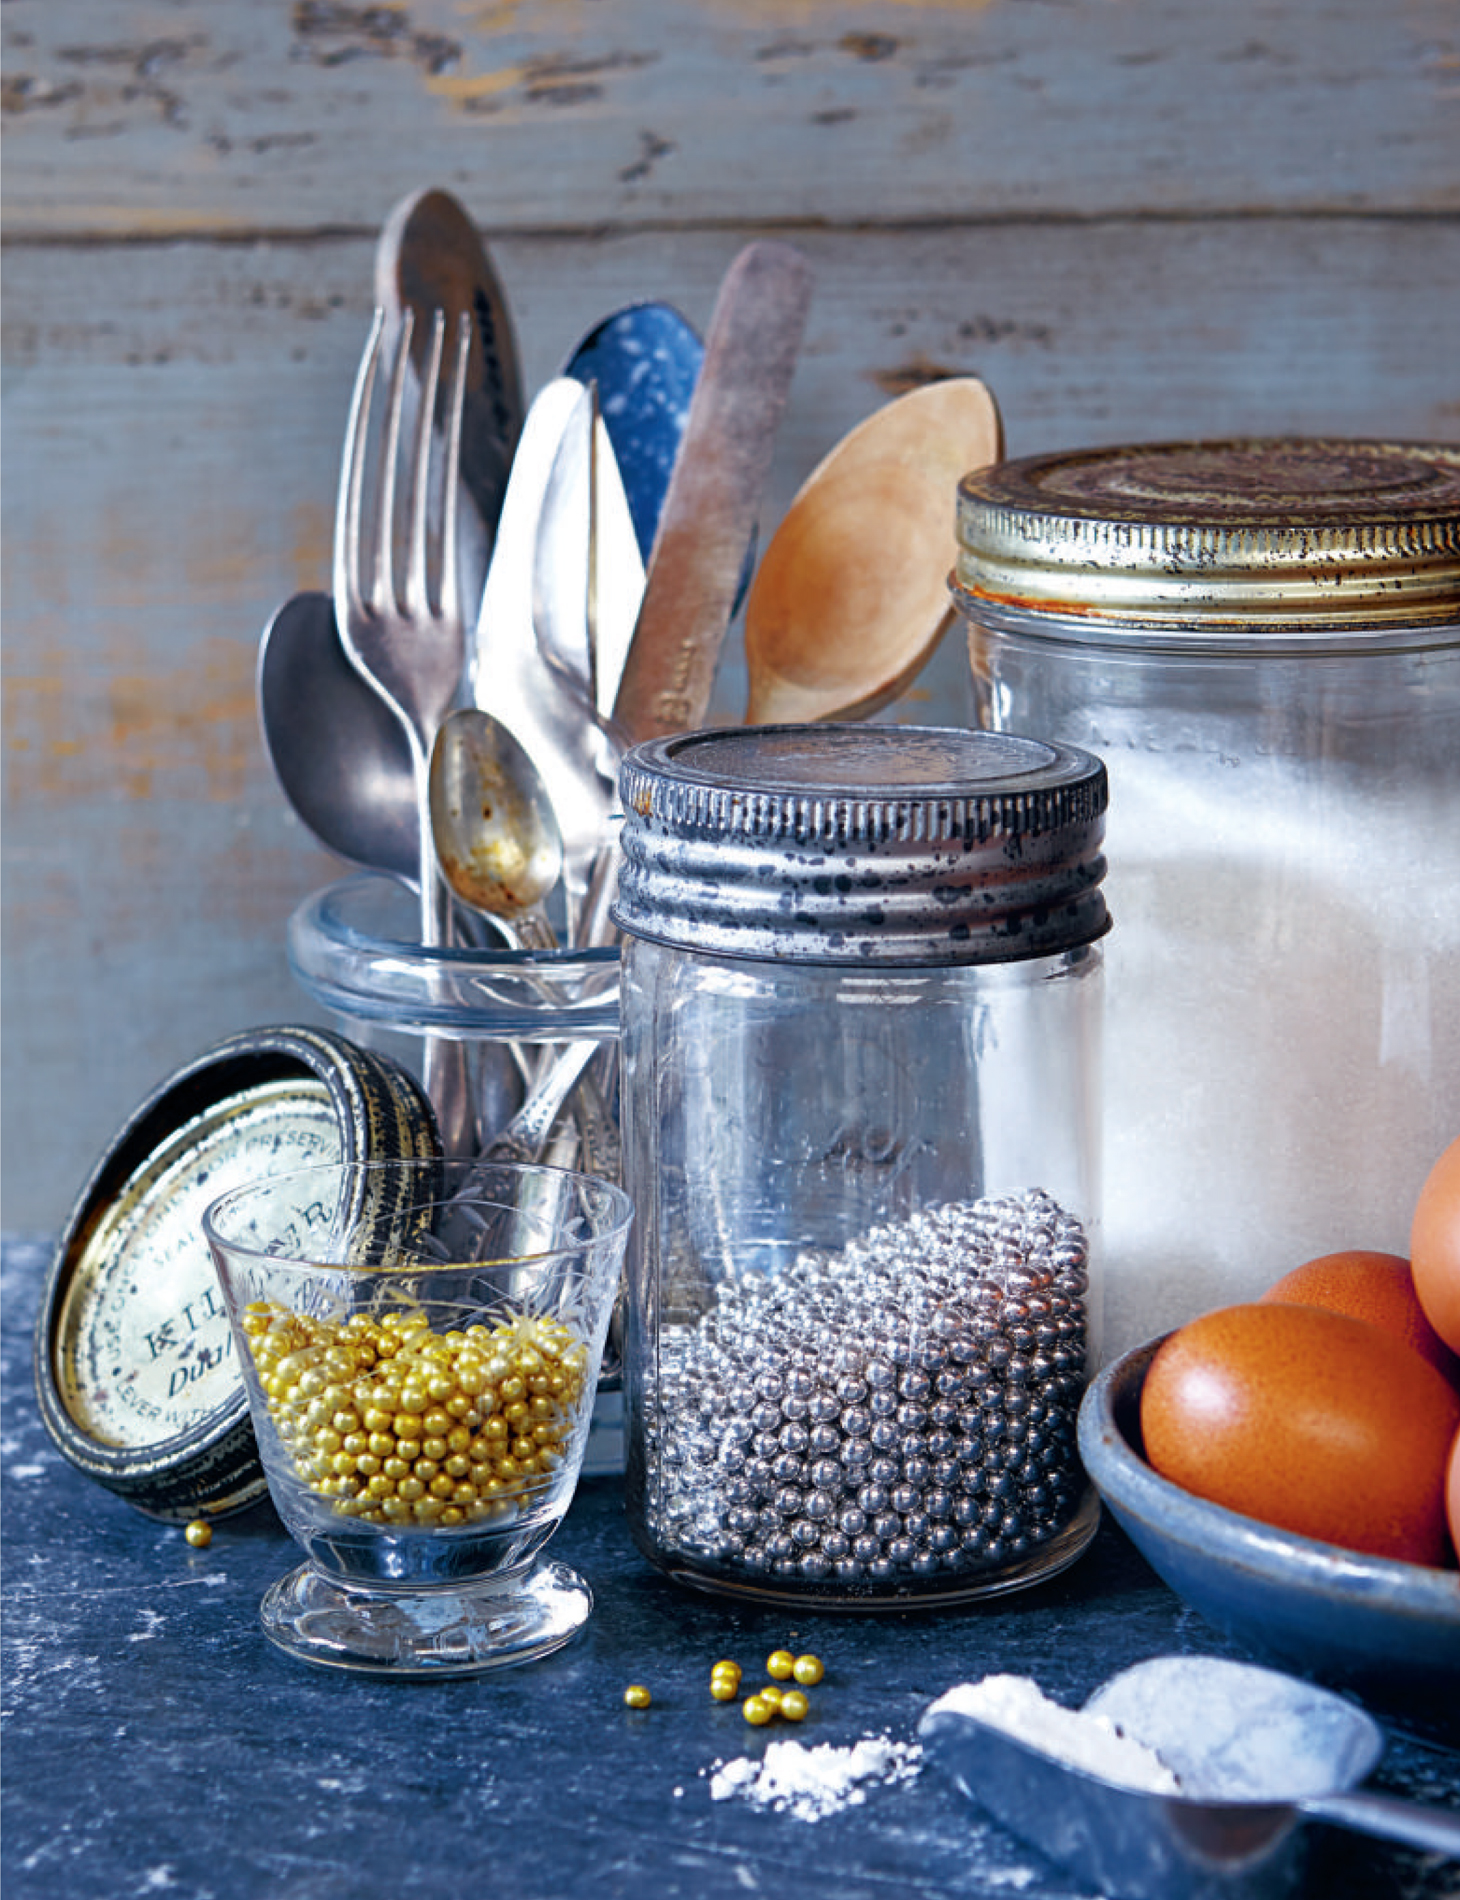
(430, 256)
(1254, 1751)
(496, 836)
(526, 1136)
(336, 747)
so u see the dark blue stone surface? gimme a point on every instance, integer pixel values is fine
(154, 1742)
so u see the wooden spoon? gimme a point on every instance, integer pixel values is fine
(851, 596)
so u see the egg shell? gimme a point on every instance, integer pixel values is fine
(1377, 1287)
(1452, 1493)
(1434, 1246)
(1308, 1420)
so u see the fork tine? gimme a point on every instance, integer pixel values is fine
(382, 591)
(346, 569)
(417, 594)
(456, 403)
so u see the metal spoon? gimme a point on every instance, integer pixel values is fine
(526, 1136)
(1255, 1751)
(851, 596)
(336, 747)
(497, 838)
(430, 256)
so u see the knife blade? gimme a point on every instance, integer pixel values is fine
(719, 476)
(588, 576)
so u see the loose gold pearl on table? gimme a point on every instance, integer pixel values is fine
(636, 1696)
(199, 1533)
(808, 1670)
(794, 1705)
(725, 1681)
(757, 1711)
(779, 1664)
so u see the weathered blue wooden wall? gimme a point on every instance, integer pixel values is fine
(1133, 218)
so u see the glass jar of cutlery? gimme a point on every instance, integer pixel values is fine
(531, 1034)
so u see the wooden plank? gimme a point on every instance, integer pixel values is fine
(172, 421)
(198, 117)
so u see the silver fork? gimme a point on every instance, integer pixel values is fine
(408, 646)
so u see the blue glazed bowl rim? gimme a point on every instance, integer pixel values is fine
(1109, 1440)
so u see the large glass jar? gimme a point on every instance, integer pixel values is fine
(860, 1040)
(1262, 642)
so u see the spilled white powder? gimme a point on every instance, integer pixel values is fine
(1017, 1706)
(811, 1783)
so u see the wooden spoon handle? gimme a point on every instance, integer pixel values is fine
(714, 493)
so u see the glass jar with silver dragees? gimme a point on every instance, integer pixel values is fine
(860, 1038)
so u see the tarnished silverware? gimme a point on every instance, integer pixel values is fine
(411, 644)
(715, 491)
(510, 677)
(336, 747)
(496, 835)
(431, 257)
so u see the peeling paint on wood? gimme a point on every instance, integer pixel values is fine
(810, 113)
(1052, 196)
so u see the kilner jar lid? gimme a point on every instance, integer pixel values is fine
(134, 1364)
(862, 844)
(1305, 537)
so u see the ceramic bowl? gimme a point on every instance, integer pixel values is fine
(1386, 1631)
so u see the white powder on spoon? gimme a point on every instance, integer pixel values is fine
(1017, 1706)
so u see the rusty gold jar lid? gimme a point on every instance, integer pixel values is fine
(134, 1365)
(1304, 536)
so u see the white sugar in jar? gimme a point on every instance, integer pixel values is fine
(1261, 639)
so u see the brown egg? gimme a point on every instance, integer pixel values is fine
(1308, 1420)
(1452, 1493)
(1378, 1287)
(1434, 1246)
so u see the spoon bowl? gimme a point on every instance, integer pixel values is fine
(851, 596)
(497, 839)
(337, 749)
(430, 256)
(1254, 1752)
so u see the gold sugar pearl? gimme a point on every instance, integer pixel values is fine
(636, 1696)
(725, 1681)
(779, 1664)
(397, 1424)
(794, 1705)
(808, 1670)
(199, 1533)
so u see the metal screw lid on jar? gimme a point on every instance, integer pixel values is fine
(862, 844)
(1301, 538)
(134, 1365)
